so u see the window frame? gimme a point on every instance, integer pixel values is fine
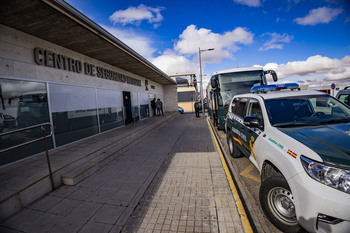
(240, 101)
(247, 108)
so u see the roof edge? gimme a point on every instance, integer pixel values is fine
(78, 16)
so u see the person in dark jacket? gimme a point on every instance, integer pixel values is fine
(196, 108)
(153, 106)
(161, 107)
(158, 106)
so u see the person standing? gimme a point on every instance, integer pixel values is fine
(158, 104)
(196, 108)
(161, 107)
(153, 106)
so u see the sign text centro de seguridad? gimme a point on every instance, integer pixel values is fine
(50, 59)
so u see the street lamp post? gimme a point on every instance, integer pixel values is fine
(200, 74)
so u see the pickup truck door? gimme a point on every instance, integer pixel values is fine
(236, 124)
(252, 109)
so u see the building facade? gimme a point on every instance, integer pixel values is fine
(187, 92)
(59, 67)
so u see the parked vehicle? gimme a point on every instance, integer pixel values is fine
(300, 143)
(225, 84)
(344, 96)
(181, 110)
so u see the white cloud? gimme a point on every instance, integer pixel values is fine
(276, 41)
(252, 3)
(315, 68)
(134, 15)
(171, 63)
(183, 57)
(141, 44)
(319, 15)
(224, 44)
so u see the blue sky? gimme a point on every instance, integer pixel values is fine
(305, 41)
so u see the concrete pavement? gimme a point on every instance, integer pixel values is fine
(171, 181)
(24, 182)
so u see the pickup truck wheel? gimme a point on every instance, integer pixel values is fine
(277, 202)
(231, 145)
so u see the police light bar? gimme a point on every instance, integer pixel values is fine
(274, 87)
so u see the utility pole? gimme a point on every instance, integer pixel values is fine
(200, 73)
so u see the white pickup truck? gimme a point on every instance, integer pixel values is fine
(300, 143)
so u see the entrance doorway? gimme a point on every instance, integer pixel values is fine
(127, 107)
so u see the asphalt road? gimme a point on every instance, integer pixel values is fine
(248, 181)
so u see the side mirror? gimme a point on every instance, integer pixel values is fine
(252, 122)
(274, 76)
(273, 73)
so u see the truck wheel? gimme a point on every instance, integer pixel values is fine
(231, 145)
(277, 202)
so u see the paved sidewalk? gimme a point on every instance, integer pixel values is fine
(172, 181)
(24, 182)
(188, 196)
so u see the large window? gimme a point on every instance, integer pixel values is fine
(186, 96)
(144, 105)
(74, 112)
(236, 83)
(22, 104)
(135, 107)
(110, 109)
(306, 110)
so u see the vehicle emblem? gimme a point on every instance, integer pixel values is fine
(251, 145)
(292, 153)
(237, 140)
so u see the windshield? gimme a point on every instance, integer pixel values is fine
(236, 83)
(306, 110)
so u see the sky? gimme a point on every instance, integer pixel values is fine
(304, 41)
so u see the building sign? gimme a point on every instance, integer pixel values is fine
(58, 61)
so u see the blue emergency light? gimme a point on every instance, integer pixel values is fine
(274, 87)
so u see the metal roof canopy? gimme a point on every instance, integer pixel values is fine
(58, 22)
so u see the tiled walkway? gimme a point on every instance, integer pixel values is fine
(189, 194)
(172, 181)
